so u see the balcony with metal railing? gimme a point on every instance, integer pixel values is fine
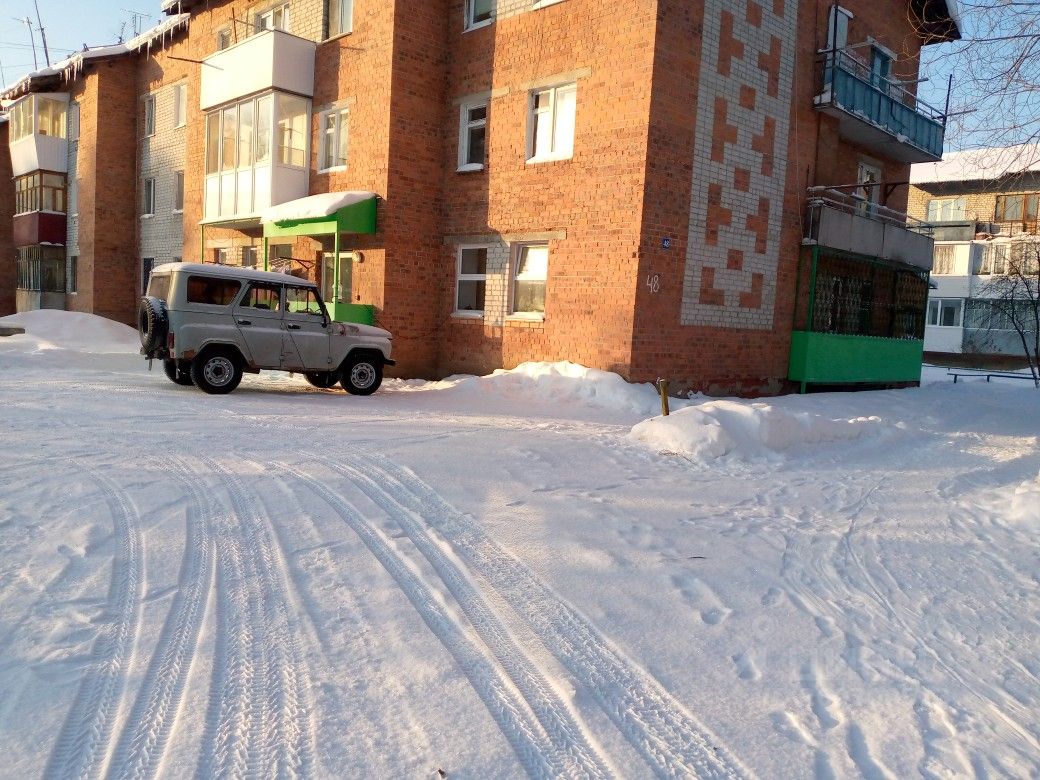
(877, 112)
(844, 218)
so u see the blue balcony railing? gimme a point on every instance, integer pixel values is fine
(888, 114)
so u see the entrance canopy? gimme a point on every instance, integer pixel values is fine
(326, 214)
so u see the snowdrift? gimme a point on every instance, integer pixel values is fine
(550, 383)
(745, 428)
(1025, 504)
(48, 329)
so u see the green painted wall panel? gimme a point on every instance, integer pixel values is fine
(360, 313)
(831, 358)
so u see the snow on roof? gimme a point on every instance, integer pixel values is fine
(314, 206)
(72, 66)
(239, 272)
(978, 164)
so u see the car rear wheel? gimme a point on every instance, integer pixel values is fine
(216, 372)
(177, 373)
(361, 375)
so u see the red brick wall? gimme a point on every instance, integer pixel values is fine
(8, 254)
(595, 198)
(726, 360)
(107, 170)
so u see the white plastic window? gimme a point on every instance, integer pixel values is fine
(341, 17)
(479, 12)
(529, 279)
(335, 139)
(473, 136)
(552, 118)
(471, 284)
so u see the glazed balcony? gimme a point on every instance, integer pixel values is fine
(878, 113)
(269, 60)
(841, 218)
(38, 133)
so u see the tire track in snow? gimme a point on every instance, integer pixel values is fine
(577, 751)
(260, 721)
(530, 742)
(670, 739)
(154, 716)
(83, 744)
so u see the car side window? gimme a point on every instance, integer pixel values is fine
(212, 291)
(263, 296)
(302, 300)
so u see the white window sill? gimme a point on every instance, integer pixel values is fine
(544, 4)
(470, 168)
(478, 25)
(467, 315)
(549, 158)
(178, 211)
(147, 216)
(525, 317)
(181, 126)
(337, 36)
(333, 169)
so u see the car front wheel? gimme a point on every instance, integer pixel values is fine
(361, 375)
(216, 373)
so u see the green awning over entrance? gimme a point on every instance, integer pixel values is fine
(322, 215)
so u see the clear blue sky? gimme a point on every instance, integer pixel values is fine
(69, 24)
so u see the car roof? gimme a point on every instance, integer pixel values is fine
(232, 272)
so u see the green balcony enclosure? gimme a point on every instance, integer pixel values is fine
(878, 112)
(858, 320)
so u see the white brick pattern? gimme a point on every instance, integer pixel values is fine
(733, 282)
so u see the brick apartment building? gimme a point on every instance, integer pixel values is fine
(695, 190)
(985, 208)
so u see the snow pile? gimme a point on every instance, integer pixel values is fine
(87, 333)
(1025, 504)
(551, 384)
(314, 206)
(745, 428)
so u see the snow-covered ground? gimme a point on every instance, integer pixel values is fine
(509, 575)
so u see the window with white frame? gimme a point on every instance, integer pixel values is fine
(250, 256)
(180, 105)
(149, 115)
(473, 136)
(276, 18)
(479, 12)
(471, 280)
(178, 191)
(148, 202)
(334, 138)
(551, 123)
(224, 39)
(943, 259)
(945, 312)
(946, 210)
(340, 14)
(530, 271)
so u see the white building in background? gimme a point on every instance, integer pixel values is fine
(985, 209)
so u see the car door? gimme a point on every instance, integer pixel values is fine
(259, 320)
(308, 329)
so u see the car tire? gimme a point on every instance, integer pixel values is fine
(153, 323)
(217, 371)
(177, 373)
(323, 380)
(361, 374)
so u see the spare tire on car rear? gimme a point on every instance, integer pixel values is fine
(152, 323)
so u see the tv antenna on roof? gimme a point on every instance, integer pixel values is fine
(135, 20)
(43, 35)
